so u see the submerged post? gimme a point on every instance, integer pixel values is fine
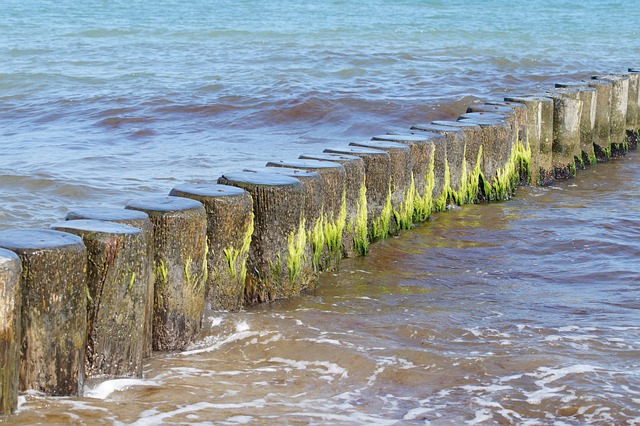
(277, 248)
(10, 329)
(401, 163)
(334, 222)
(602, 124)
(229, 229)
(567, 110)
(448, 155)
(422, 148)
(618, 117)
(633, 108)
(497, 139)
(180, 266)
(355, 240)
(587, 119)
(54, 309)
(118, 278)
(377, 165)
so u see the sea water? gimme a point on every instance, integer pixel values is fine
(105, 101)
(524, 312)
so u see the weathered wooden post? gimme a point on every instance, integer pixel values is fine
(473, 152)
(180, 266)
(567, 110)
(139, 220)
(498, 137)
(355, 240)
(276, 254)
(602, 124)
(587, 119)
(118, 279)
(54, 309)
(10, 329)
(422, 150)
(618, 117)
(316, 256)
(377, 165)
(334, 197)
(402, 196)
(448, 162)
(633, 108)
(229, 228)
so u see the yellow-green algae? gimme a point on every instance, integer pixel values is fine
(360, 232)
(381, 226)
(423, 204)
(237, 259)
(316, 238)
(440, 204)
(296, 243)
(404, 215)
(333, 231)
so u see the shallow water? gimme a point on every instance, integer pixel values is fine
(523, 312)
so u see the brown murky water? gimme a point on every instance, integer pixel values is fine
(525, 312)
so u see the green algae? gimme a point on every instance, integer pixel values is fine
(333, 231)
(296, 243)
(361, 237)
(381, 226)
(404, 215)
(423, 204)
(317, 241)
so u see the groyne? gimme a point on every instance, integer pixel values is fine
(95, 294)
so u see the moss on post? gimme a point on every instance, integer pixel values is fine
(377, 172)
(499, 178)
(354, 179)
(472, 188)
(332, 200)
(401, 164)
(54, 309)
(229, 229)
(10, 329)
(118, 280)
(180, 259)
(278, 203)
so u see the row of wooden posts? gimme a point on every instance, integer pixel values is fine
(98, 292)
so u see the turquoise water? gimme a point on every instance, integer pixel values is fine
(101, 102)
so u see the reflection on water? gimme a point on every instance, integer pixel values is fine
(524, 312)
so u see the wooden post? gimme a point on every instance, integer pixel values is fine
(377, 166)
(618, 117)
(279, 239)
(54, 309)
(118, 278)
(602, 124)
(139, 220)
(355, 240)
(229, 228)
(180, 266)
(10, 329)
(587, 95)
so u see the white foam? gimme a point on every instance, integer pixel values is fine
(242, 326)
(106, 388)
(324, 367)
(241, 335)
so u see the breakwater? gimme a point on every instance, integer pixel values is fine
(483, 157)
